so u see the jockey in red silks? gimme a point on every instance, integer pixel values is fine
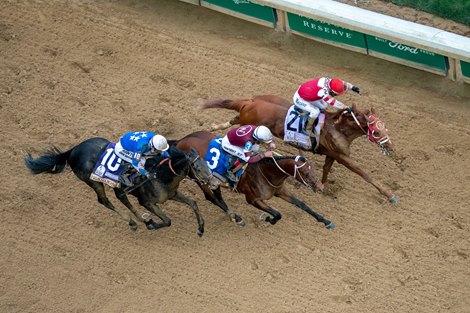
(243, 143)
(316, 95)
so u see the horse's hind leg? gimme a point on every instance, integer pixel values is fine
(121, 195)
(200, 221)
(100, 192)
(233, 121)
(215, 196)
(155, 209)
(285, 195)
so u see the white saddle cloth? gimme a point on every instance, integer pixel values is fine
(293, 125)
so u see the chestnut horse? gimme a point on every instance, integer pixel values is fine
(260, 181)
(340, 129)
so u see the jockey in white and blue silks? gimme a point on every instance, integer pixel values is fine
(134, 146)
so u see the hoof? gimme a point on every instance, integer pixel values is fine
(330, 226)
(240, 222)
(263, 217)
(145, 216)
(133, 225)
(394, 200)
(200, 232)
(151, 225)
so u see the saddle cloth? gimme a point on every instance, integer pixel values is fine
(293, 126)
(218, 160)
(108, 168)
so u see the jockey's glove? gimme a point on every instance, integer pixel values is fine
(150, 175)
(348, 109)
(356, 89)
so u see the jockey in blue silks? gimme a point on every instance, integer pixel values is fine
(133, 147)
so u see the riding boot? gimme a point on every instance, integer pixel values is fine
(316, 135)
(231, 179)
(124, 179)
(309, 127)
(231, 174)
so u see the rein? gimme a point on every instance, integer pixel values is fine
(357, 121)
(296, 172)
(171, 167)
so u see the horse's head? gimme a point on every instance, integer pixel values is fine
(201, 170)
(305, 173)
(377, 133)
(373, 127)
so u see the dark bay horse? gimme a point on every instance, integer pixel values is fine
(262, 180)
(340, 129)
(149, 192)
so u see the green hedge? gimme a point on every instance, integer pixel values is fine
(456, 10)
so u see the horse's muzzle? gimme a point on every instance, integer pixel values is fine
(213, 183)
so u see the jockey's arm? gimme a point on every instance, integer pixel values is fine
(259, 157)
(138, 164)
(334, 103)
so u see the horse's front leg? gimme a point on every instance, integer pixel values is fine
(261, 205)
(287, 196)
(326, 168)
(144, 217)
(200, 221)
(215, 196)
(353, 166)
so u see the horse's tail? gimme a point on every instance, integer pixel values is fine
(235, 105)
(52, 162)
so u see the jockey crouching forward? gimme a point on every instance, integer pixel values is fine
(243, 143)
(133, 147)
(314, 96)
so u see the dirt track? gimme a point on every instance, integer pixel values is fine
(97, 68)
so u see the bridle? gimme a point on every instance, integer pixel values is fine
(296, 171)
(374, 125)
(204, 180)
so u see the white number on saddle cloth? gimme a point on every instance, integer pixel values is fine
(107, 170)
(293, 126)
(110, 161)
(214, 156)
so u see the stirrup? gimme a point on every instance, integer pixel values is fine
(231, 176)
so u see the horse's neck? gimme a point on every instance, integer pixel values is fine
(281, 167)
(166, 171)
(349, 129)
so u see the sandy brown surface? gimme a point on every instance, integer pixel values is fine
(74, 70)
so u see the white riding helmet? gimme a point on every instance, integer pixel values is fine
(263, 134)
(158, 142)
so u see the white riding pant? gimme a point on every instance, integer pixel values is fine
(233, 150)
(313, 108)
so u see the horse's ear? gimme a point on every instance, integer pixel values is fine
(193, 151)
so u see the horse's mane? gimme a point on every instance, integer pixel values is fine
(164, 173)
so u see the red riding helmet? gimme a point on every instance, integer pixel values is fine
(337, 86)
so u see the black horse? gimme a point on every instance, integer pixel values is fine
(149, 192)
